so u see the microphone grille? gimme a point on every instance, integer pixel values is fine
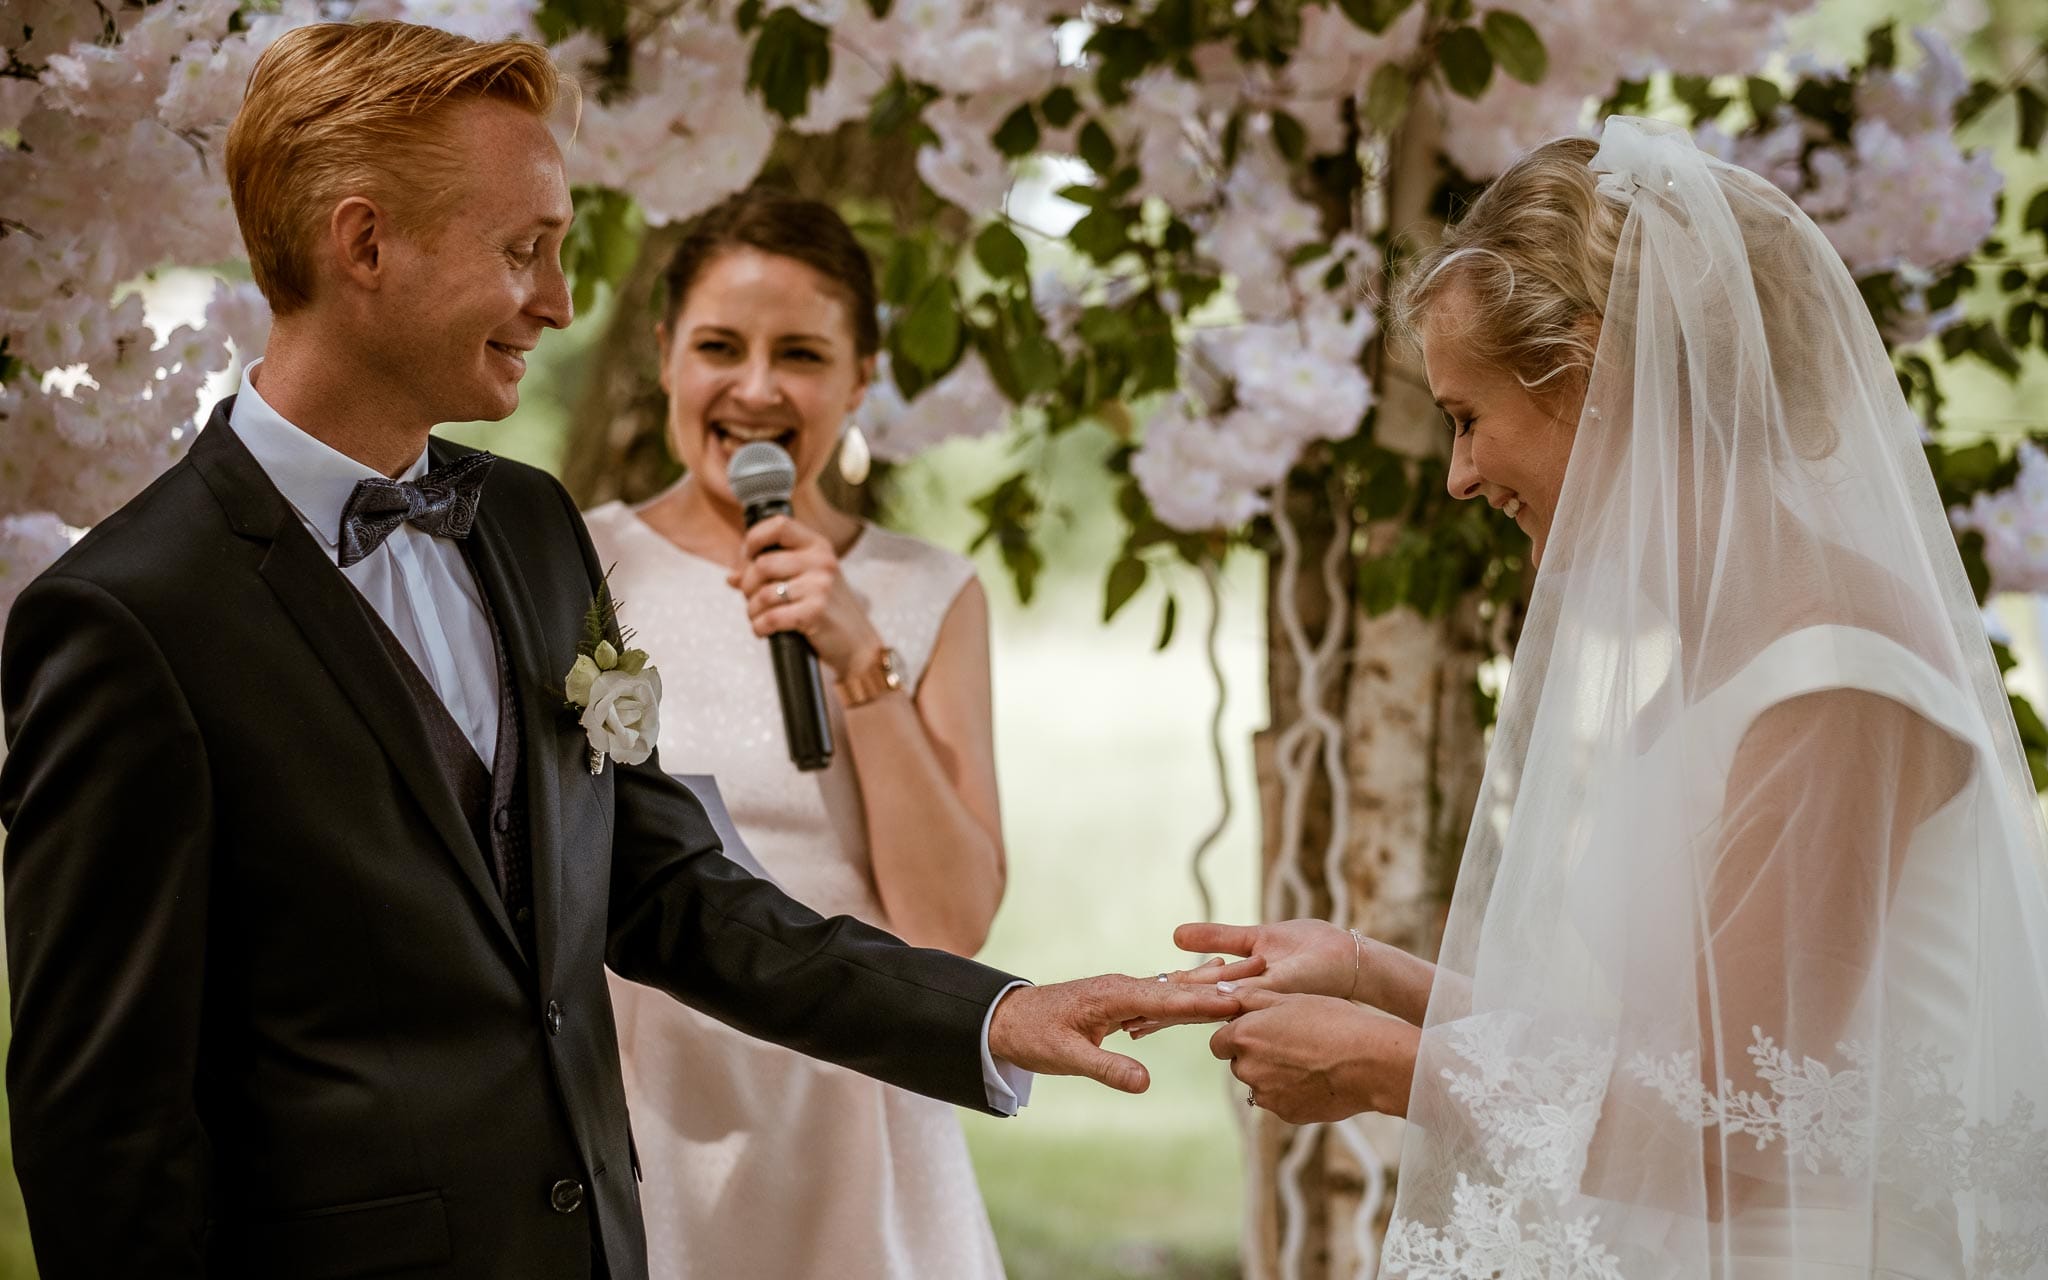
(761, 472)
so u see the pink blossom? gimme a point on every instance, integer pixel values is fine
(29, 544)
(1193, 475)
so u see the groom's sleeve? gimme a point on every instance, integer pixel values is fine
(686, 919)
(104, 796)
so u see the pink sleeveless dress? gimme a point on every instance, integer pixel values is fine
(756, 1161)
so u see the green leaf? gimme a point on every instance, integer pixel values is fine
(896, 107)
(1104, 327)
(558, 19)
(1764, 97)
(1175, 23)
(1097, 151)
(1374, 15)
(1697, 92)
(2019, 325)
(1981, 95)
(2033, 733)
(1467, 62)
(1017, 135)
(1383, 583)
(1516, 46)
(903, 276)
(1289, 137)
(1080, 193)
(2003, 655)
(1991, 348)
(1001, 253)
(2033, 116)
(930, 334)
(791, 57)
(602, 242)
(1125, 577)
(2037, 213)
(1120, 55)
(1011, 511)
(1386, 491)
(1386, 100)
(1060, 107)
(1167, 617)
(1102, 235)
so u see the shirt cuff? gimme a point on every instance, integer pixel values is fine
(1009, 1088)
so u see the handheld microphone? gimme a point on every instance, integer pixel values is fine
(763, 478)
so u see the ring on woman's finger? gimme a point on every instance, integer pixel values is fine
(782, 591)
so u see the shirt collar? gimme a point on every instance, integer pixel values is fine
(315, 478)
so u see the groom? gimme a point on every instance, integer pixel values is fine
(309, 884)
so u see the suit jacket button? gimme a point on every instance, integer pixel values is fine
(554, 1017)
(566, 1196)
(503, 821)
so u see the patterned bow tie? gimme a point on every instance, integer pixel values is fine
(442, 503)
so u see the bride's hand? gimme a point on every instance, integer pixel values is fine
(1300, 957)
(1309, 1059)
(1306, 957)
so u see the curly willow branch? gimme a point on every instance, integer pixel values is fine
(1287, 890)
(1211, 648)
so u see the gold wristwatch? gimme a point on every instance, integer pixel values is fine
(872, 681)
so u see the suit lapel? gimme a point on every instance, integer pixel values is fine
(526, 653)
(330, 617)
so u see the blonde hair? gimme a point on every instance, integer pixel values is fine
(1535, 255)
(338, 109)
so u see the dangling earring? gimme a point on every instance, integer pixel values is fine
(854, 455)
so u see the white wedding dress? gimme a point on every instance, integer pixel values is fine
(758, 1161)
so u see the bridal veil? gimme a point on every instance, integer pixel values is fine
(1746, 973)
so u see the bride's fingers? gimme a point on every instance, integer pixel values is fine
(1231, 939)
(1215, 970)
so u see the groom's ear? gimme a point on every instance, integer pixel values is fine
(358, 235)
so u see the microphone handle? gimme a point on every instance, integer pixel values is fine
(799, 685)
(802, 692)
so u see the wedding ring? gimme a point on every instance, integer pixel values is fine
(782, 591)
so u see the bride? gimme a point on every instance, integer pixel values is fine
(1746, 971)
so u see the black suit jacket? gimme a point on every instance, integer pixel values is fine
(270, 1017)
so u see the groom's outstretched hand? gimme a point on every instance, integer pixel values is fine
(1058, 1030)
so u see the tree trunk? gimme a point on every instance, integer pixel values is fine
(1389, 802)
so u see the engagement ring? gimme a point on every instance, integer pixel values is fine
(782, 591)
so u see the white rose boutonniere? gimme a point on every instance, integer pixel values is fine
(613, 688)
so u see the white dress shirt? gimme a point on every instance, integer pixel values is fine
(422, 588)
(418, 583)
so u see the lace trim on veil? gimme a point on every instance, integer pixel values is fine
(1535, 1115)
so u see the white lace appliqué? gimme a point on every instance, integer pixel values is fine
(1905, 1130)
(1534, 1114)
